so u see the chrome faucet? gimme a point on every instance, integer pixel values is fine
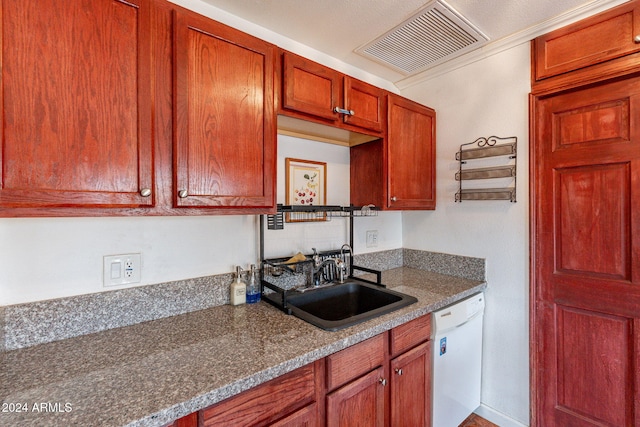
(318, 266)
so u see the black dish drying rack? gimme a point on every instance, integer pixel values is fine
(276, 271)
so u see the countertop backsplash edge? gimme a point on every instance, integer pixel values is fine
(25, 325)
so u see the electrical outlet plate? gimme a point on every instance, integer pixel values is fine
(372, 238)
(122, 269)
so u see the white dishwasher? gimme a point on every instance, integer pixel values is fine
(457, 361)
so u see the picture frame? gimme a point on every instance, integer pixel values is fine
(305, 185)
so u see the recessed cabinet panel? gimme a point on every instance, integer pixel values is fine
(310, 88)
(366, 102)
(411, 155)
(76, 104)
(594, 241)
(602, 346)
(594, 40)
(224, 137)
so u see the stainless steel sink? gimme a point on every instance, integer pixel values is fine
(342, 305)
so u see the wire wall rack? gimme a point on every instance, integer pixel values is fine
(485, 148)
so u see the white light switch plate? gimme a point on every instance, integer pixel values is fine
(121, 269)
(372, 238)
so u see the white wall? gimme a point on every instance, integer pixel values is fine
(44, 258)
(488, 97)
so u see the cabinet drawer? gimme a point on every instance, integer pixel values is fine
(354, 361)
(267, 402)
(600, 38)
(410, 334)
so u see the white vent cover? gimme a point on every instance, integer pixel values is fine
(435, 34)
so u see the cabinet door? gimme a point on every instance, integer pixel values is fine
(305, 417)
(266, 402)
(367, 103)
(410, 382)
(603, 37)
(411, 151)
(360, 403)
(76, 104)
(310, 88)
(224, 139)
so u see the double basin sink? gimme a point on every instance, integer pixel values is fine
(345, 304)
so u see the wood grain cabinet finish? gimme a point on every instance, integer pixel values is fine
(609, 35)
(315, 91)
(224, 116)
(410, 388)
(359, 403)
(269, 402)
(398, 172)
(76, 104)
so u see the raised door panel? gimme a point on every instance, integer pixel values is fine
(606, 36)
(410, 382)
(586, 256)
(411, 147)
(310, 88)
(360, 403)
(305, 417)
(595, 368)
(76, 127)
(354, 361)
(267, 402)
(366, 102)
(224, 139)
(410, 334)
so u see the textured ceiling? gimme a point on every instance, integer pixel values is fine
(339, 27)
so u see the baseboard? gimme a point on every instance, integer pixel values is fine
(497, 418)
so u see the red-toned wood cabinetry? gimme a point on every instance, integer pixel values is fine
(76, 105)
(283, 401)
(398, 172)
(224, 119)
(585, 230)
(133, 108)
(312, 91)
(382, 381)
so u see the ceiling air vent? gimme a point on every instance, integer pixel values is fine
(435, 34)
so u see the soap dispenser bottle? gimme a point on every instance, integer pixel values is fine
(238, 289)
(253, 288)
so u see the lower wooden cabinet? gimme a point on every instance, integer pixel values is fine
(360, 403)
(410, 388)
(382, 381)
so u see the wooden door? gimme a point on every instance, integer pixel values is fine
(310, 88)
(585, 326)
(76, 104)
(410, 383)
(224, 117)
(360, 403)
(411, 150)
(366, 102)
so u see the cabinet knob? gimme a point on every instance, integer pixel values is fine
(145, 192)
(183, 193)
(394, 199)
(399, 371)
(382, 381)
(637, 38)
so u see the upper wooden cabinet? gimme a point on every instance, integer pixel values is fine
(399, 172)
(314, 92)
(603, 37)
(76, 105)
(224, 116)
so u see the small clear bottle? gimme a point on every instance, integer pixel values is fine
(238, 289)
(253, 288)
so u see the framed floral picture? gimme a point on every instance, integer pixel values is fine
(306, 184)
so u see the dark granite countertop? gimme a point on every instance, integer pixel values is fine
(152, 373)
